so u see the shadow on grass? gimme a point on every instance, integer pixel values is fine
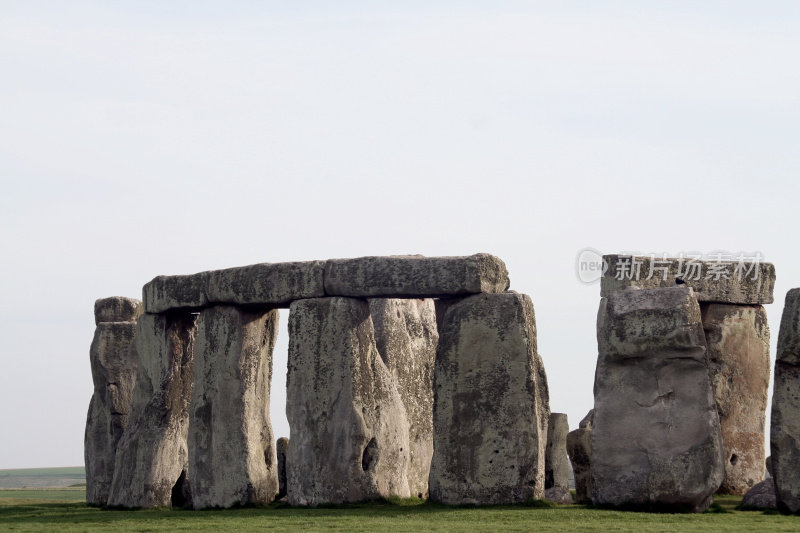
(44, 513)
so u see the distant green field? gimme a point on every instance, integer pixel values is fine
(32, 512)
(42, 477)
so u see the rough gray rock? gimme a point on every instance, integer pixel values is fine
(231, 452)
(556, 473)
(761, 496)
(768, 465)
(785, 421)
(117, 309)
(406, 338)
(281, 448)
(558, 495)
(268, 285)
(490, 403)
(707, 278)
(579, 448)
(655, 436)
(113, 360)
(151, 462)
(415, 276)
(738, 353)
(349, 431)
(587, 420)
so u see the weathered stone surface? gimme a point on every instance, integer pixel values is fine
(707, 278)
(231, 452)
(785, 420)
(268, 285)
(655, 435)
(406, 338)
(490, 410)
(349, 431)
(579, 448)
(117, 309)
(151, 462)
(761, 496)
(738, 353)
(281, 449)
(556, 473)
(768, 465)
(558, 495)
(415, 276)
(113, 360)
(587, 420)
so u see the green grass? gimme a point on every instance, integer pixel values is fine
(42, 477)
(31, 511)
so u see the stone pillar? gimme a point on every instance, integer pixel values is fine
(579, 447)
(406, 338)
(113, 360)
(556, 470)
(655, 439)
(491, 403)
(349, 430)
(281, 448)
(231, 451)
(738, 353)
(785, 421)
(152, 458)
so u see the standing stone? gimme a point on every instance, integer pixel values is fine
(281, 449)
(231, 453)
(556, 473)
(151, 464)
(406, 338)
(349, 430)
(655, 435)
(490, 409)
(738, 353)
(113, 360)
(117, 309)
(579, 447)
(761, 496)
(768, 466)
(785, 421)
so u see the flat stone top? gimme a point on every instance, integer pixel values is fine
(117, 309)
(277, 285)
(723, 281)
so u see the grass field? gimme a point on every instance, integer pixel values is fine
(64, 510)
(42, 477)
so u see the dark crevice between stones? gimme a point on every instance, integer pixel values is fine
(370, 454)
(178, 492)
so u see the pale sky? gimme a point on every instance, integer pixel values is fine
(139, 139)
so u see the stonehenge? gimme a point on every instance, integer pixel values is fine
(655, 436)
(150, 468)
(420, 377)
(556, 473)
(579, 448)
(363, 342)
(113, 359)
(491, 403)
(231, 450)
(406, 337)
(730, 295)
(785, 417)
(347, 419)
(738, 351)
(280, 450)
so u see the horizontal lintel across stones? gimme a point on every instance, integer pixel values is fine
(277, 285)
